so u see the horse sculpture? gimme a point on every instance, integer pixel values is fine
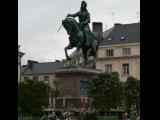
(77, 39)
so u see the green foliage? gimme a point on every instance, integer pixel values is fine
(132, 92)
(105, 91)
(107, 118)
(29, 118)
(32, 94)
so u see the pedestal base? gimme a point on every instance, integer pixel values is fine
(72, 83)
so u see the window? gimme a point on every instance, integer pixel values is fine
(110, 52)
(83, 85)
(46, 78)
(110, 38)
(109, 68)
(125, 69)
(122, 38)
(126, 51)
(25, 78)
(35, 78)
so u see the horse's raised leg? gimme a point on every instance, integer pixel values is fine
(67, 48)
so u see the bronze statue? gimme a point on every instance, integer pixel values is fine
(80, 35)
(84, 20)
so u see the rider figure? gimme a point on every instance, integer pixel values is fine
(84, 20)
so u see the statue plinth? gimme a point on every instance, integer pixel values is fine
(72, 83)
(72, 79)
(77, 69)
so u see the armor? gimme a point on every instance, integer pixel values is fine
(84, 20)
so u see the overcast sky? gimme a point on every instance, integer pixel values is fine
(39, 21)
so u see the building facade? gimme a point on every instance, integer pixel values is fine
(120, 51)
(41, 71)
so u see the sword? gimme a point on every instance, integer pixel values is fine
(61, 25)
(59, 28)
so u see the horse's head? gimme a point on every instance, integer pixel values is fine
(71, 25)
(67, 25)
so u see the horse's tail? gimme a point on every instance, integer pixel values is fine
(98, 41)
(99, 38)
(95, 43)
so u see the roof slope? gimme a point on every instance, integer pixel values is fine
(41, 68)
(130, 31)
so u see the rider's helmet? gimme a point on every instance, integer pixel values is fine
(83, 4)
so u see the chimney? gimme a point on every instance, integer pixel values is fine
(117, 24)
(57, 61)
(97, 27)
(30, 63)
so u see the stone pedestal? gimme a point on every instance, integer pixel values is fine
(72, 86)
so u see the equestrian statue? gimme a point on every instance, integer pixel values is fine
(80, 35)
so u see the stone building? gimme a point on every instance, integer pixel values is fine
(120, 50)
(44, 71)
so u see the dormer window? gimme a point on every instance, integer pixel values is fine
(110, 38)
(122, 38)
(28, 70)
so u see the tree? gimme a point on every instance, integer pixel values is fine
(132, 93)
(32, 94)
(105, 91)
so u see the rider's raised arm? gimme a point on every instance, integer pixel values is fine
(73, 15)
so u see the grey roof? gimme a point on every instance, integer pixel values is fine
(41, 68)
(130, 31)
(107, 32)
(23, 68)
